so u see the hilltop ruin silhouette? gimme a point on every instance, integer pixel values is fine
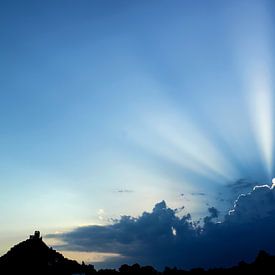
(33, 256)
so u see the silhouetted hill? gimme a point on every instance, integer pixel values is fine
(33, 256)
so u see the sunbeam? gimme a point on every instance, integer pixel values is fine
(192, 144)
(254, 55)
(261, 114)
(174, 136)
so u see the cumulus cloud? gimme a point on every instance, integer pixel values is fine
(214, 213)
(162, 238)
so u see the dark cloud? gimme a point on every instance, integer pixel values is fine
(214, 213)
(241, 185)
(161, 238)
(179, 209)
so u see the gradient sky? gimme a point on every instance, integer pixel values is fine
(107, 107)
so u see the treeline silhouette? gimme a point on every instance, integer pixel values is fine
(33, 256)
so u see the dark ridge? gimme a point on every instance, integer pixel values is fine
(33, 256)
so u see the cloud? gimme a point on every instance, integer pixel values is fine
(162, 238)
(101, 214)
(241, 186)
(214, 213)
(125, 191)
(260, 203)
(198, 194)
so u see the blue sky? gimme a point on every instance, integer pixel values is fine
(108, 107)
